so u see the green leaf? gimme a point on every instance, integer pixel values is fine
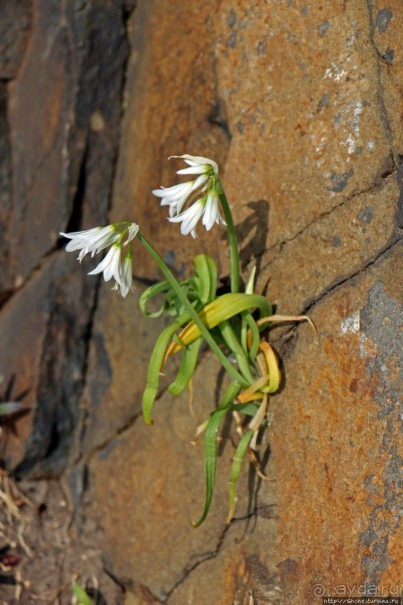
(210, 459)
(200, 289)
(154, 366)
(230, 338)
(206, 277)
(249, 409)
(222, 308)
(187, 367)
(236, 471)
(10, 407)
(150, 293)
(252, 325)
(210, 446)
(81, 595)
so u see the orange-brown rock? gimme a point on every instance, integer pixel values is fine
(61, 71)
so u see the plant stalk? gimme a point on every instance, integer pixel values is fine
(232, 238)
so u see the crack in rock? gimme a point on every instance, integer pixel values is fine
(379, 256)
(203, 557)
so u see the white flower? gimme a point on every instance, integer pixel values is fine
(112, 267)
(132, 231)
(176, 196)
(198, 165)
(211, 212)
(189, 218)
(126, 284)
(97, 239)
(206, 207)
(203, 188)
(92, 240)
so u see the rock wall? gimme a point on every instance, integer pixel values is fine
(60, 67)
(299, 103)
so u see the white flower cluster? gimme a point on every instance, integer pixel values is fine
(202, 187)
(200, 199)
(95, 240)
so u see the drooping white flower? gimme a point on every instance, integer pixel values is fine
(201, 194)
(110, 266)
(211, 211)
(91, 240)
(132, 231)
(176, 196)
(189, 218)
(97, 239)
(126, 276)
(198, 164)
(206, 207)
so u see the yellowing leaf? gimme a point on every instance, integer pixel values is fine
(222, 308)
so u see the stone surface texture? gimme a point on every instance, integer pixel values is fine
(300, 103)
(58, 149)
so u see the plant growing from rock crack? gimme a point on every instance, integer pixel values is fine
(80, 595)
(231, 323)
(9, 408)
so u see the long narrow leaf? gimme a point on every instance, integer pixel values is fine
(187, 367)
(229, 336)
(81, 595)
(272, 367)
(213, 278)
(148, 294)
(249, 409)
(10, 407)
(222, 308)
(236, 471)
(210, 446)
(206, 277)
(210, 460)
(254, 334)
(154, 366)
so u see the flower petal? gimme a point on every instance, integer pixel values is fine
(211, 210)
(189, 218)
(131, 233)
(110, 265)
(126, 277)
(174, 191)
(176, 196)
(194, 160)
(92, 240)
(81, 234)
(200, 169)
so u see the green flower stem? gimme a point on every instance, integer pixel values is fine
(235, 375)
(232, 239)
